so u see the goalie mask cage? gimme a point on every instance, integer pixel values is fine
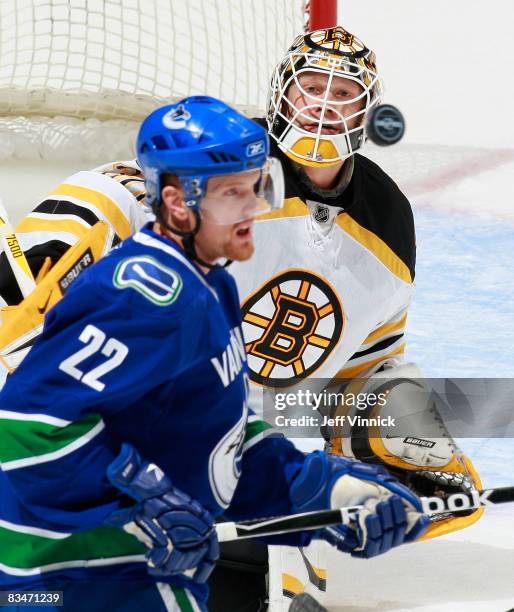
(78, 76)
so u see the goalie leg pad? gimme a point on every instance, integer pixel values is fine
(413, 442)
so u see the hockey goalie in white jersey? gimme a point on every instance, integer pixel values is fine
(325, 296)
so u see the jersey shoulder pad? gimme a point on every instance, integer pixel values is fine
(108, 200)
(371, 171)
(385, 210)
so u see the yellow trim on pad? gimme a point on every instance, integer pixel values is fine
(31, 224)
(292, 584)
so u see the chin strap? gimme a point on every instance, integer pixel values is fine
(188, 239)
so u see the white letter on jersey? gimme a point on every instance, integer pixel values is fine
(233, 358)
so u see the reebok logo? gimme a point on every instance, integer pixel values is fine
(255, 148)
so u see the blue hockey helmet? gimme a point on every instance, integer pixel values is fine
(200, 137)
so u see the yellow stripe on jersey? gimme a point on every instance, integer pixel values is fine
(375, 245)
(107, 206)
(358, 370)
(317, 341)
(134, 184)
(293, 207)
(320, 573)
(37, 224)
(388, 328)
(291, 585)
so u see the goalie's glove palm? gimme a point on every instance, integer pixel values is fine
(177, 530)
(391, 515)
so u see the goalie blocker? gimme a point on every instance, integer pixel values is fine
(23, 323)
(413, 443)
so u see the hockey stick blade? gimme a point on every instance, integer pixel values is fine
(432, 506)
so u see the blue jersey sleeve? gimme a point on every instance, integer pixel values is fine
(102, 349)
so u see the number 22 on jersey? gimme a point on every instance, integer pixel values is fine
(95, 341)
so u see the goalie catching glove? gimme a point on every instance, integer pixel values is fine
(413, 441)
(391, 516)
(177, 530)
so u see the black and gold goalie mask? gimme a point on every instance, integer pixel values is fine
(320, 95)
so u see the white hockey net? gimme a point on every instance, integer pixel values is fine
(76, 75)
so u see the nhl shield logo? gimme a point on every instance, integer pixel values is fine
(291, 325)
(321, 214)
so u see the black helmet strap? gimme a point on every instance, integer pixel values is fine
(188, 238)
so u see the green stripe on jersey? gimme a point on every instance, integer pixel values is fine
(26, 551)
(183, 600)
(254, 428)
(20, 439)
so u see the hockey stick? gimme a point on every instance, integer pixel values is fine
(456, 502)
(15, 256)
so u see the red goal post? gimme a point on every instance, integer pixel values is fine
(320, 14)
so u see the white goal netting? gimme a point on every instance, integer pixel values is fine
(76, 75)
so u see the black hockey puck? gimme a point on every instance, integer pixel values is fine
(386, 125)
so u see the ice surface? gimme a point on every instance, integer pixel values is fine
(461, 324)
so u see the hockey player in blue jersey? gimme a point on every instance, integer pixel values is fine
(126, 432)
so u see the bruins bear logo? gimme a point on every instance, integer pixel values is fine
(291, 325)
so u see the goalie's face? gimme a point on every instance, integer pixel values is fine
(321, 103)
(319, 96)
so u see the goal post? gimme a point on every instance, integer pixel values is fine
(321, 14)
(75, 74)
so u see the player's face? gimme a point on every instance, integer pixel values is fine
(310, 96)
(228, 210)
